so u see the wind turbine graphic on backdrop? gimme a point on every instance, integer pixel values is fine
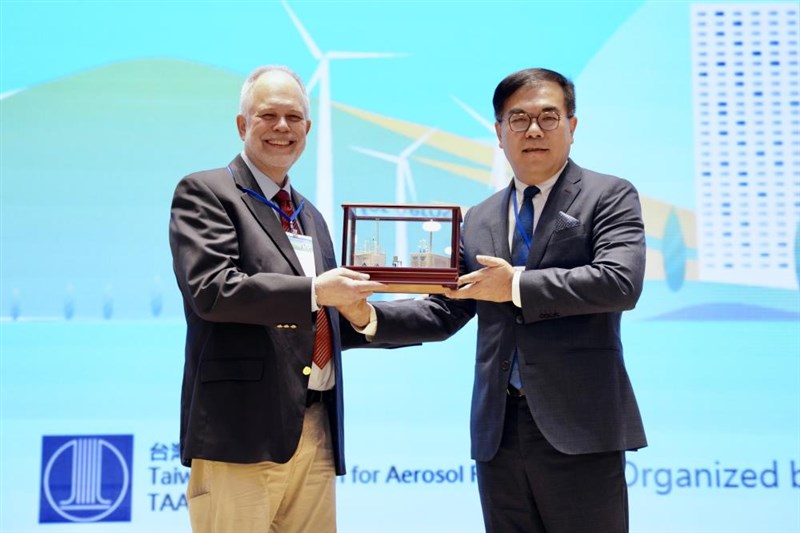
(403, 181)
(499, 170)
(324, 198)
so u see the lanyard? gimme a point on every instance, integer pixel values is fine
(273, 205)
(523, 234)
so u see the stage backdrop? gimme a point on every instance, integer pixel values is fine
(105, 105)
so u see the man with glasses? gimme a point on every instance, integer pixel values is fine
(550, 263)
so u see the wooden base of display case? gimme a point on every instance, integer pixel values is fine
(411, 288)
(412, 280)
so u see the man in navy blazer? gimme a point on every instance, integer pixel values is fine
(553, 410)
(261, 423)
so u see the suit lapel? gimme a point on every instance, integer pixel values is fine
(498, 223)
(561, 197)
(262, 212)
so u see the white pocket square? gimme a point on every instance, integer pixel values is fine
(565, 221)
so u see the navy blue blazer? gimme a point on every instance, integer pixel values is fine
(586, 266)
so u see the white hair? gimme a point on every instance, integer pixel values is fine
(247, 88)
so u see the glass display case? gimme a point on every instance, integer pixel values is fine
(410, 248)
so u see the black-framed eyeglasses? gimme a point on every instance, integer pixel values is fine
(521, 121)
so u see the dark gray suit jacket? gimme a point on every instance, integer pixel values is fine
(250, 329)
(585, 267)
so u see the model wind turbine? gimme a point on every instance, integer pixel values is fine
(499, 170)
(403, 181)
(324, 199)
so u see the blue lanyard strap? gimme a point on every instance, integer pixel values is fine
(273, 205)
(276, 207)
(522, 233)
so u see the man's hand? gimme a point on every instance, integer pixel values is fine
(492, 283)
(358, 313)
(342, 287)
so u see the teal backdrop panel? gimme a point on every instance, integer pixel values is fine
(105, 105)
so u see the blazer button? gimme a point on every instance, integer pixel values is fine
(519, 320)
(279, 326)
(505, 365)
(306, 370)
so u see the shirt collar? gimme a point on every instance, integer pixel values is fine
(268, 187)
(544, 187)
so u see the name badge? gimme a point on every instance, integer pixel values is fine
(304, 249)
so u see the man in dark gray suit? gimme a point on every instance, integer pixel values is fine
(549, 265)
(261, 407)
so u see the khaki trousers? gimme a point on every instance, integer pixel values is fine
(298, 496)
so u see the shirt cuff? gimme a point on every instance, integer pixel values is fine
(371, 329)
(516, 298)
(314, 306)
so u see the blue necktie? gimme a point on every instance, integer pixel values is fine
(519, 256)
(520, 250)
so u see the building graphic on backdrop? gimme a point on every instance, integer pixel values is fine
(86, 478)
(747, 148)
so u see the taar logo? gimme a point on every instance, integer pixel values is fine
(86, 479)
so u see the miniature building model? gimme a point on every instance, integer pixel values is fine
(429, 260)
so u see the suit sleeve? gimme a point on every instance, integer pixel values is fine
(609, 279)
(407, 322)
(208, 264)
